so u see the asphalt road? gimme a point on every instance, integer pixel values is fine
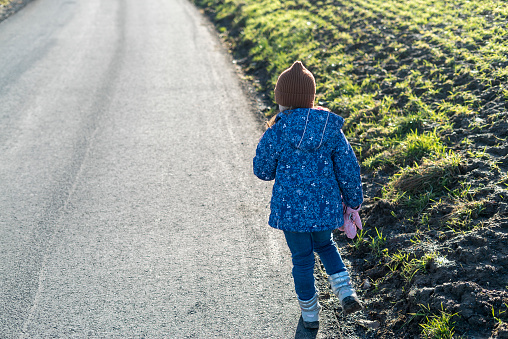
(128, 207)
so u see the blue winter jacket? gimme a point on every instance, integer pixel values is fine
(314, 168)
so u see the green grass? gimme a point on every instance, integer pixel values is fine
(359, 239)
(410, 148)
(438, 326)
(322, 33)
(377, 243)
(501, 315)
(408, 265)
(414, 186)
(462, 217)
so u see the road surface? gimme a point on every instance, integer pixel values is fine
(128, 207)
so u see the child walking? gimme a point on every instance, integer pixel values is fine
(317, 187)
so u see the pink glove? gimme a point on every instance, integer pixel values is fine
(351, 221)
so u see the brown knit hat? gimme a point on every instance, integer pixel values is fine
(296, 87)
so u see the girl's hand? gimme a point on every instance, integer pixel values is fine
(351, 221)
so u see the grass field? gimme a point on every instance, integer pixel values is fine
(423, 86)
(5, 2)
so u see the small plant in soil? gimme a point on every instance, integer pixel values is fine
(377, 243)
(463, 215)
(397, 260)
(438, 326)
(359, 239)
(408, 265)
(500, 316)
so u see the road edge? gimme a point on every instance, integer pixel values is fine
(12, 8)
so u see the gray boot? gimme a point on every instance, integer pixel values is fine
(310, 312)
(341, 287)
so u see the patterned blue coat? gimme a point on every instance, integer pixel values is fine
(314, 167)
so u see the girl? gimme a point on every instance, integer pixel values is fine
(317, 187)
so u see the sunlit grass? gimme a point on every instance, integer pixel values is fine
(438, 326)
(408, 265)
(414, 186)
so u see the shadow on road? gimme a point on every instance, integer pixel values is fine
(303, 333)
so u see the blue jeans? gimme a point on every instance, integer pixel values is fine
(302, 247)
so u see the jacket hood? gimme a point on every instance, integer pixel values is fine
(308, 129)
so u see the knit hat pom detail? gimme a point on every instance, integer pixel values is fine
(297, 66)
(296, 87)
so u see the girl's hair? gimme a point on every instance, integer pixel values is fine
(272, 120)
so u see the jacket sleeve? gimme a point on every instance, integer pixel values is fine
(347, 172)
(267, 155)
